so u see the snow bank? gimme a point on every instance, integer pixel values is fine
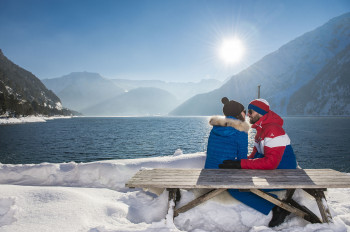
(102, 174)
(92, 197)
(29, 119)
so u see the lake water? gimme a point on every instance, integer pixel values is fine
(319, 142)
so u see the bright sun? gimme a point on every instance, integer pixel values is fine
(231, 50)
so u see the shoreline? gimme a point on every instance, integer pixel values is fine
(30, 119)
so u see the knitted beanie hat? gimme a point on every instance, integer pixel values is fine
(259, 105)
(231, 108)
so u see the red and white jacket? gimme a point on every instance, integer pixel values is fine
(271, 142)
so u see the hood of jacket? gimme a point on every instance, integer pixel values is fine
(228, 125)
(270, 117)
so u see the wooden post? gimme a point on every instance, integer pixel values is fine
(279, 203)
(294, 207)
(318, 194)
(171, 203)
(311, 217)
(289, 194)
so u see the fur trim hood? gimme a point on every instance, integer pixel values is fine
(230, 122)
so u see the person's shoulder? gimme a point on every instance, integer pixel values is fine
(272, 130)
(239, 125)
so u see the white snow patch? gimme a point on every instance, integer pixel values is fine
(93, 197)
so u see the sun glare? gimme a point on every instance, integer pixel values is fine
(231, 50)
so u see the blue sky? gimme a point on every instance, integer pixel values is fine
(170, 40)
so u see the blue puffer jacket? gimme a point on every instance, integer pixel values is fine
(228, 140)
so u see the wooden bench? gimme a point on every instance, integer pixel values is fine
(313, 181)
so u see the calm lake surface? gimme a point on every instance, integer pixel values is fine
(318, 142)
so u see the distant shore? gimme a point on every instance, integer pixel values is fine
(32, 118)
(29, 119)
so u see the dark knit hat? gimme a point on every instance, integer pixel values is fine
(231, 108)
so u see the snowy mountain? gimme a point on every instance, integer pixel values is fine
(87, 92)
(183, 90)
(328, 93)
(80, 90)
(22, 93)
(136, 102)
(281, 74)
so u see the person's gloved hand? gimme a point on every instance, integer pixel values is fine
(230, 164)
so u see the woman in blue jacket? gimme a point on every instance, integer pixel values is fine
(228, 140)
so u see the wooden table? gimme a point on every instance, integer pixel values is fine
(313, 181)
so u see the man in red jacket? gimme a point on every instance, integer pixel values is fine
(272, 149)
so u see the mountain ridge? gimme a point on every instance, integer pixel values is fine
(22, 93)
(83, 91)
(183, 90)
(280, 73)
(143, 101)
(79, 90)
(323, 97)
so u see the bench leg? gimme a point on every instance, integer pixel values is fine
(288, 204)
(289, 194)
(198, 201)
(318, 194)
(174, 197)
(174, 194)
(311, 217)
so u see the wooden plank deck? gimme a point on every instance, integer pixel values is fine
(239, 179)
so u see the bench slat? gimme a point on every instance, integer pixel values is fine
(239, 178)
